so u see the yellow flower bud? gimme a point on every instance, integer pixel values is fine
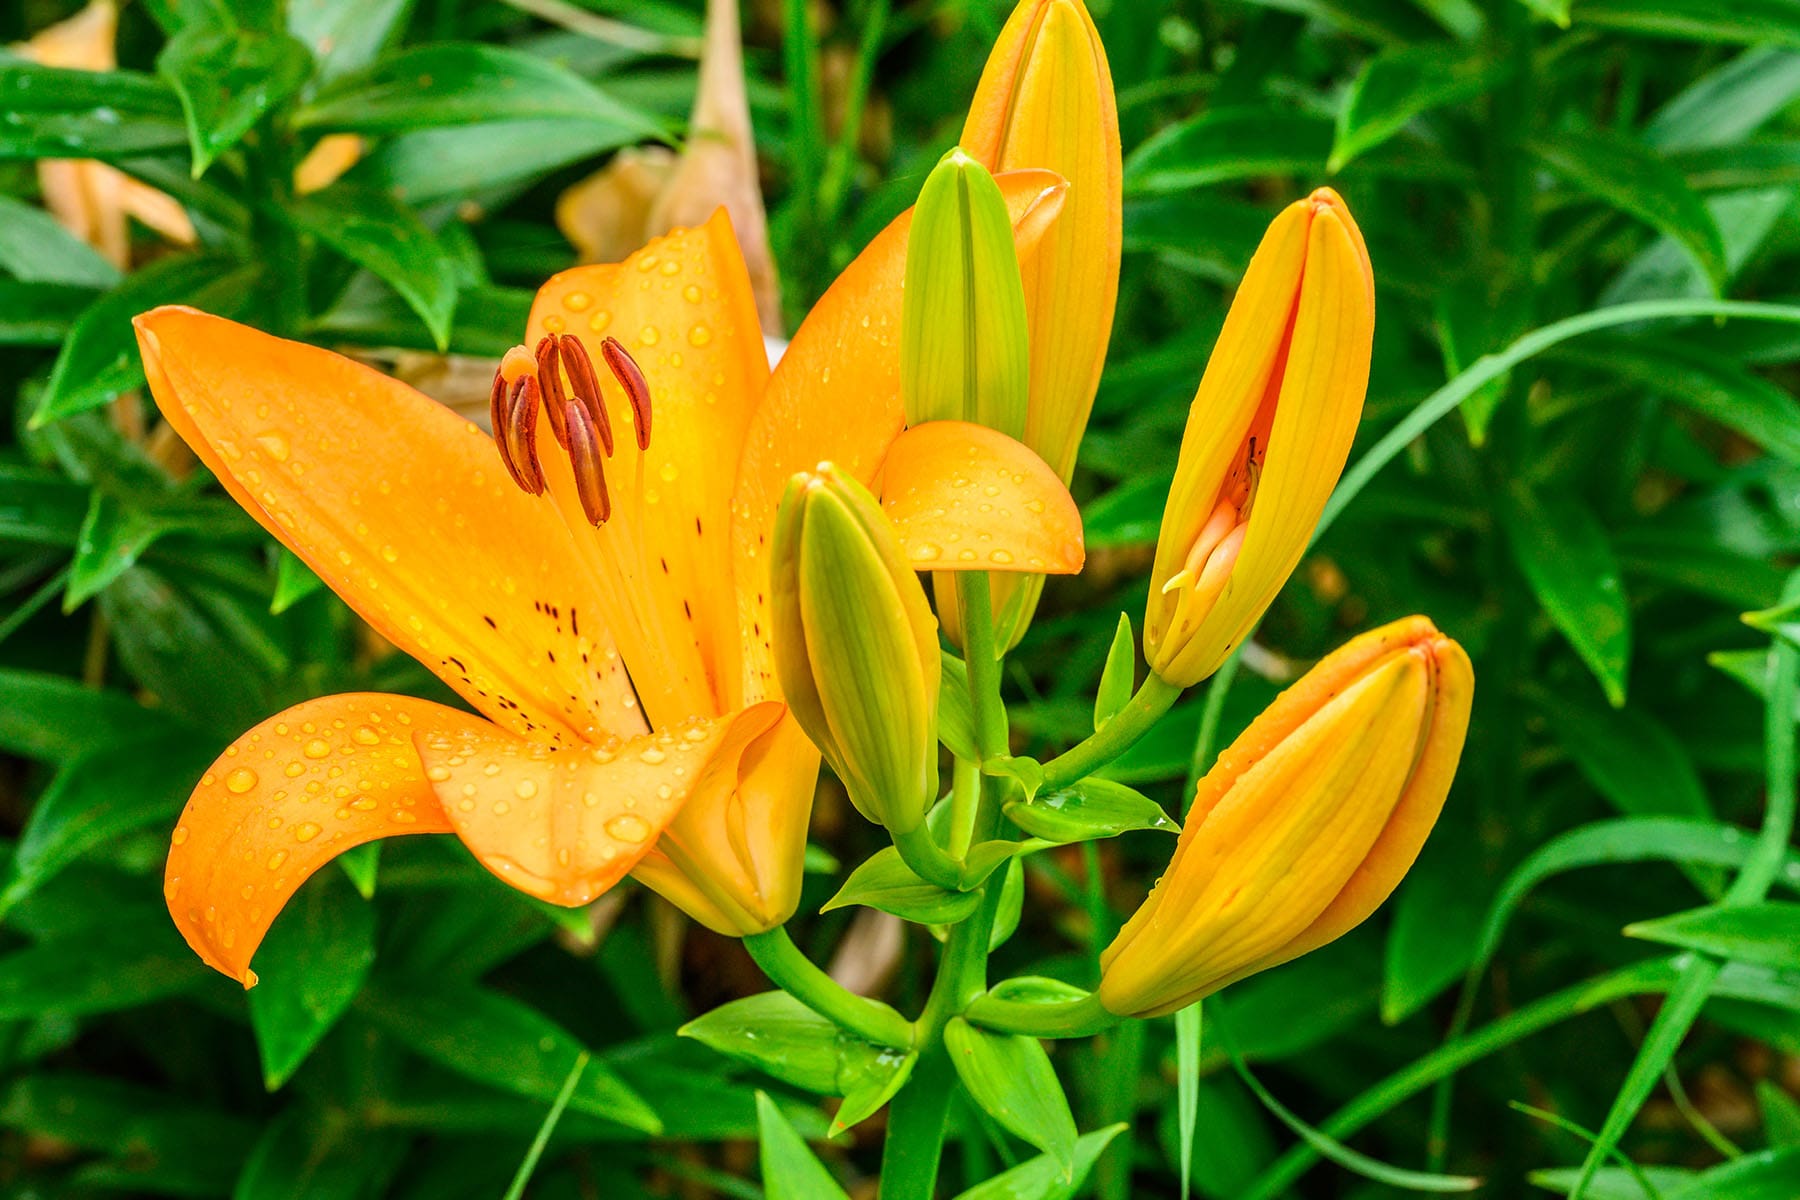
(1046, 100)
(963, 354)
(1266, 440)
(1305, 825)
(856, 646)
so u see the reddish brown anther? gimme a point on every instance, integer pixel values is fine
(549, 375)
(585, 458)
(625, 369)
(586, 386)
(516, 435)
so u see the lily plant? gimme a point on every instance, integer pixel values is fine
(669, 582)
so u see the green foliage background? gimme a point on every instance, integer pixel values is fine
(1591, 524)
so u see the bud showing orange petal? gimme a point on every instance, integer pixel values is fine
(1305, 825)
(1046, 100)
(1266, 437)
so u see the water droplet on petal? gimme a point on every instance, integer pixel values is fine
(240, 780)
(628, 828)
(306, 831)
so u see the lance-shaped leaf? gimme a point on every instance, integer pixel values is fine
(782, 1037)
(1093, 808)
(964, 352)
(1011, 1078)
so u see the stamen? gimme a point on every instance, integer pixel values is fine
(625, 369)
(517, 436)
(549, 375)
(584, 457)
(586, 386)
(497, 405)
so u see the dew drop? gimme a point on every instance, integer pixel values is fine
(628, 828)
(317, 748)
(306, 831)
(365, 736)
(276, 859)
(653, 756)
(438, 774)
(699, 335)
(240, 780)
(577, 301)
(526, 789)
(925, 552)
(181, 835)
(276, 446)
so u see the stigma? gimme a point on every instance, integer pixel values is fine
(558, 379)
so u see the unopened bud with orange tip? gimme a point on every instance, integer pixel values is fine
(856, 647)
(1267, 437)
(1305, 825)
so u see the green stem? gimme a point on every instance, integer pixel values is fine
(796, 975)
(1115, 737)
(920, 851)
(1077, 1018)
(974, 597)
(965, 800)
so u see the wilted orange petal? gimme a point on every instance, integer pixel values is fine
(285, 799)
(682, 309)
(836, 396)
(405, 510)
(566, 823)
(964, 497)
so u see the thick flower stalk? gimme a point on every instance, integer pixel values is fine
(1305, 824)
(589, 580)
(856, 646)
(1267, 437)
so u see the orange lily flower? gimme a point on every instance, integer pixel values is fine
(91, 199)
(605, 609)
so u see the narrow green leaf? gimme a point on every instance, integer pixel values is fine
(1225, 144)
(450, 163)
(463, 83)
(499, 1041)
(1012, 1080)
(1728, 103)
(1631, 177)
(1351, 1160)
(1630, 758)
(346, 35)
(376, 231)
(1766, 933)
(1187, 1087)
(1398, 85)
(227, 79)
(1780, 1114)
(111, 967)
(779, 1035)
(551, 1119)
(1710, 384)
(789, 1169)
(1562, 550)
(35, 249)
(1043, 1178)
(117, 787)
(1093, 808)
(53, 718)
(886, 883)
(1750, 22)
(1119, 676)
(313, 962)
(54, 112)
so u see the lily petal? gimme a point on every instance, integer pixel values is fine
(566, 823)
(405, 510)
(836, 396)
(285, 799)
(683, 309)
(732, 858)
(963, 497)
(1046, 100)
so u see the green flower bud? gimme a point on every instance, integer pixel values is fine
(856, 646)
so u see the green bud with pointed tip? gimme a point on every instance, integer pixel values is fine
(964, 347)
(856, 647)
